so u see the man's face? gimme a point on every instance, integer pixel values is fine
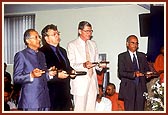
(6, 80)
(6, 96)
(34, 40)
(86, 33)
(110, 90)
(132, 44)
(53, 37)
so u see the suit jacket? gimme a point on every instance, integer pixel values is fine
(59, 88)
(77, 56)
(125, 74)
(34, 94)
(52, 60)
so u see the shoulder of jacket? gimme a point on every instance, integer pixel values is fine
(141, 53)
(92, 41)
(23, 51)
(62, 48)
(123, 53)
(44, 48)
(75, 41)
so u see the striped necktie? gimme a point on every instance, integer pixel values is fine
(90, 70)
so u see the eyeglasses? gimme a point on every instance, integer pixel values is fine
(88, 31)
(35, 37)
(56, 33)
(136, 43)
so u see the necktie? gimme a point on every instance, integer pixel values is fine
(88, 58)
(57, 54)
(60, 57)
(135, 66)
(135, 63)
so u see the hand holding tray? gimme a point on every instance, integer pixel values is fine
(102, 64)
(106, 62)
(78, 73)
(149, 74)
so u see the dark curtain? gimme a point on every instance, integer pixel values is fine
(156, 32)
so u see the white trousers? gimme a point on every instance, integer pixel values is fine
(88, 101)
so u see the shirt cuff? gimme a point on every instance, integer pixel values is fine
(51, 77)
(31, 78)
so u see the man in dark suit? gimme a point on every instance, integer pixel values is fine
(59, 89)
(131, 68)
(30, 71)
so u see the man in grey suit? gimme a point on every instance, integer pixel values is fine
(131, 68)
(31, 72)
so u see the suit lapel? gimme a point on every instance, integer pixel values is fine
(63, 55)
(128, 59)
(49, 50)
(139, 60)
(80, 50)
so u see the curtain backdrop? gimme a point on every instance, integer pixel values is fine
(14, 28)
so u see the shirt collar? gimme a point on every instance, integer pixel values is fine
(32, 51)
(53, 47)
(82, 42)
(131, 54)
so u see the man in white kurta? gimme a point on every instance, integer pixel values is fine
(84, 88)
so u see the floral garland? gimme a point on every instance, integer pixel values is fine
(156, 102)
